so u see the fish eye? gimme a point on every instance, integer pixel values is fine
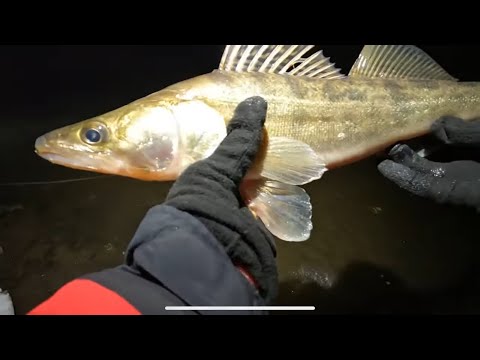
(94, 135)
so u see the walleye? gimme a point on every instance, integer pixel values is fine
(318, 119)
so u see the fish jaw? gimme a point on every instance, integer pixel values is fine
(97, 164)
(75, 156)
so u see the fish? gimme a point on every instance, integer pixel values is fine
(318, 119)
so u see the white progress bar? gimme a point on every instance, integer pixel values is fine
(241, 308)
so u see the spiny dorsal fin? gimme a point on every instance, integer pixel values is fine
(278, 59)
(397, 62)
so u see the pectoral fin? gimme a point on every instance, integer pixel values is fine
(291, 162)
(285, 210)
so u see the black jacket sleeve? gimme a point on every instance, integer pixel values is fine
(173, 260)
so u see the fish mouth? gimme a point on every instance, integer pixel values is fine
(78, 160)
(46, 152)
(63, 161)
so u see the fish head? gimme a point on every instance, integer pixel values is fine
(150, 139)
(138, 140)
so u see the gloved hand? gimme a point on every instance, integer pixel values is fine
(457, 182)
(209, 190)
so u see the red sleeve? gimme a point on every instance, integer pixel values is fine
(85, 297)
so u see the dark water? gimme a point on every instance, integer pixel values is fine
(374, 248)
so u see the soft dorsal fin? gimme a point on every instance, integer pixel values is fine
(278, 59)
(397, 62)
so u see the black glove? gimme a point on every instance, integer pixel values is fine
(457, 182)
(209, 190)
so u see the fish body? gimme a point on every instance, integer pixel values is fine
(342, 120)
(317, 120)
